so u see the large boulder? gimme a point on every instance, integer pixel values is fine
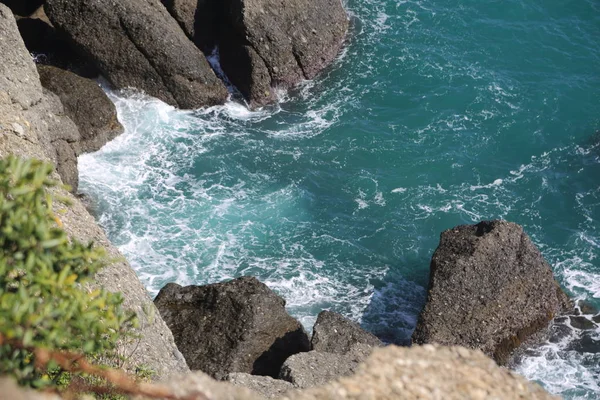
(314, 368)
(265, 44)
(136, 43)
(86, 104)
(333, 333)
(235, 326)
(269, 43)
(489, 288)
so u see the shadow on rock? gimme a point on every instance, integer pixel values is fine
(269, 363)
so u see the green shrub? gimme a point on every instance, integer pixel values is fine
(45, 300)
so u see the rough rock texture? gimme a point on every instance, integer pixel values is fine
(489, 288)
(426, 372)
(32, 117)
(333, 333)
(265, 43)
(23, 7)
(314, 368)
(29, 121)
(264, 385)
(235, 326)
(197, 18)
(136, 43)
(291, 41)
(86, 104)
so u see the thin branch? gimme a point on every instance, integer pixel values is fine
(123, 383)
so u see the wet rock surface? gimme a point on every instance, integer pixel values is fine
(235, 326)
(581, 322)
(137, 44)
(489, 289)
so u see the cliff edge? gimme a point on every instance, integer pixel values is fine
(33, 124)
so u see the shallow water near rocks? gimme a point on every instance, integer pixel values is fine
(436, 114)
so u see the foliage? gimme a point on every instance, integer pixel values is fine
(45, 300)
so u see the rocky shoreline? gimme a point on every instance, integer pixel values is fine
(490, 289)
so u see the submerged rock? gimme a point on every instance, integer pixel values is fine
(86, 104)
(137, 44)
(580, 322)
(333, 333)
(235, 326)
(489, 289)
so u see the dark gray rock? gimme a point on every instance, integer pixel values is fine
(292, 41)
(199, 20)
(51, 48)
(314, 368)
(264, 385)
(86, 104)
(581, 322)
(235, 326)
(585, 308)
(265, 43)
(489, 289)
(333, 333)
(23, 8)
(136, 43)
(587, 342)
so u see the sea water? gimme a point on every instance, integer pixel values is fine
(437, 113)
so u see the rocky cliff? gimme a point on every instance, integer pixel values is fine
(38, 122)
(33, 124)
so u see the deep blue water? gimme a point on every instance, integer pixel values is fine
(438, 113)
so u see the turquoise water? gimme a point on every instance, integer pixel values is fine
(438, 113)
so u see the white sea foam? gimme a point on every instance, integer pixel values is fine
(202, 196)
